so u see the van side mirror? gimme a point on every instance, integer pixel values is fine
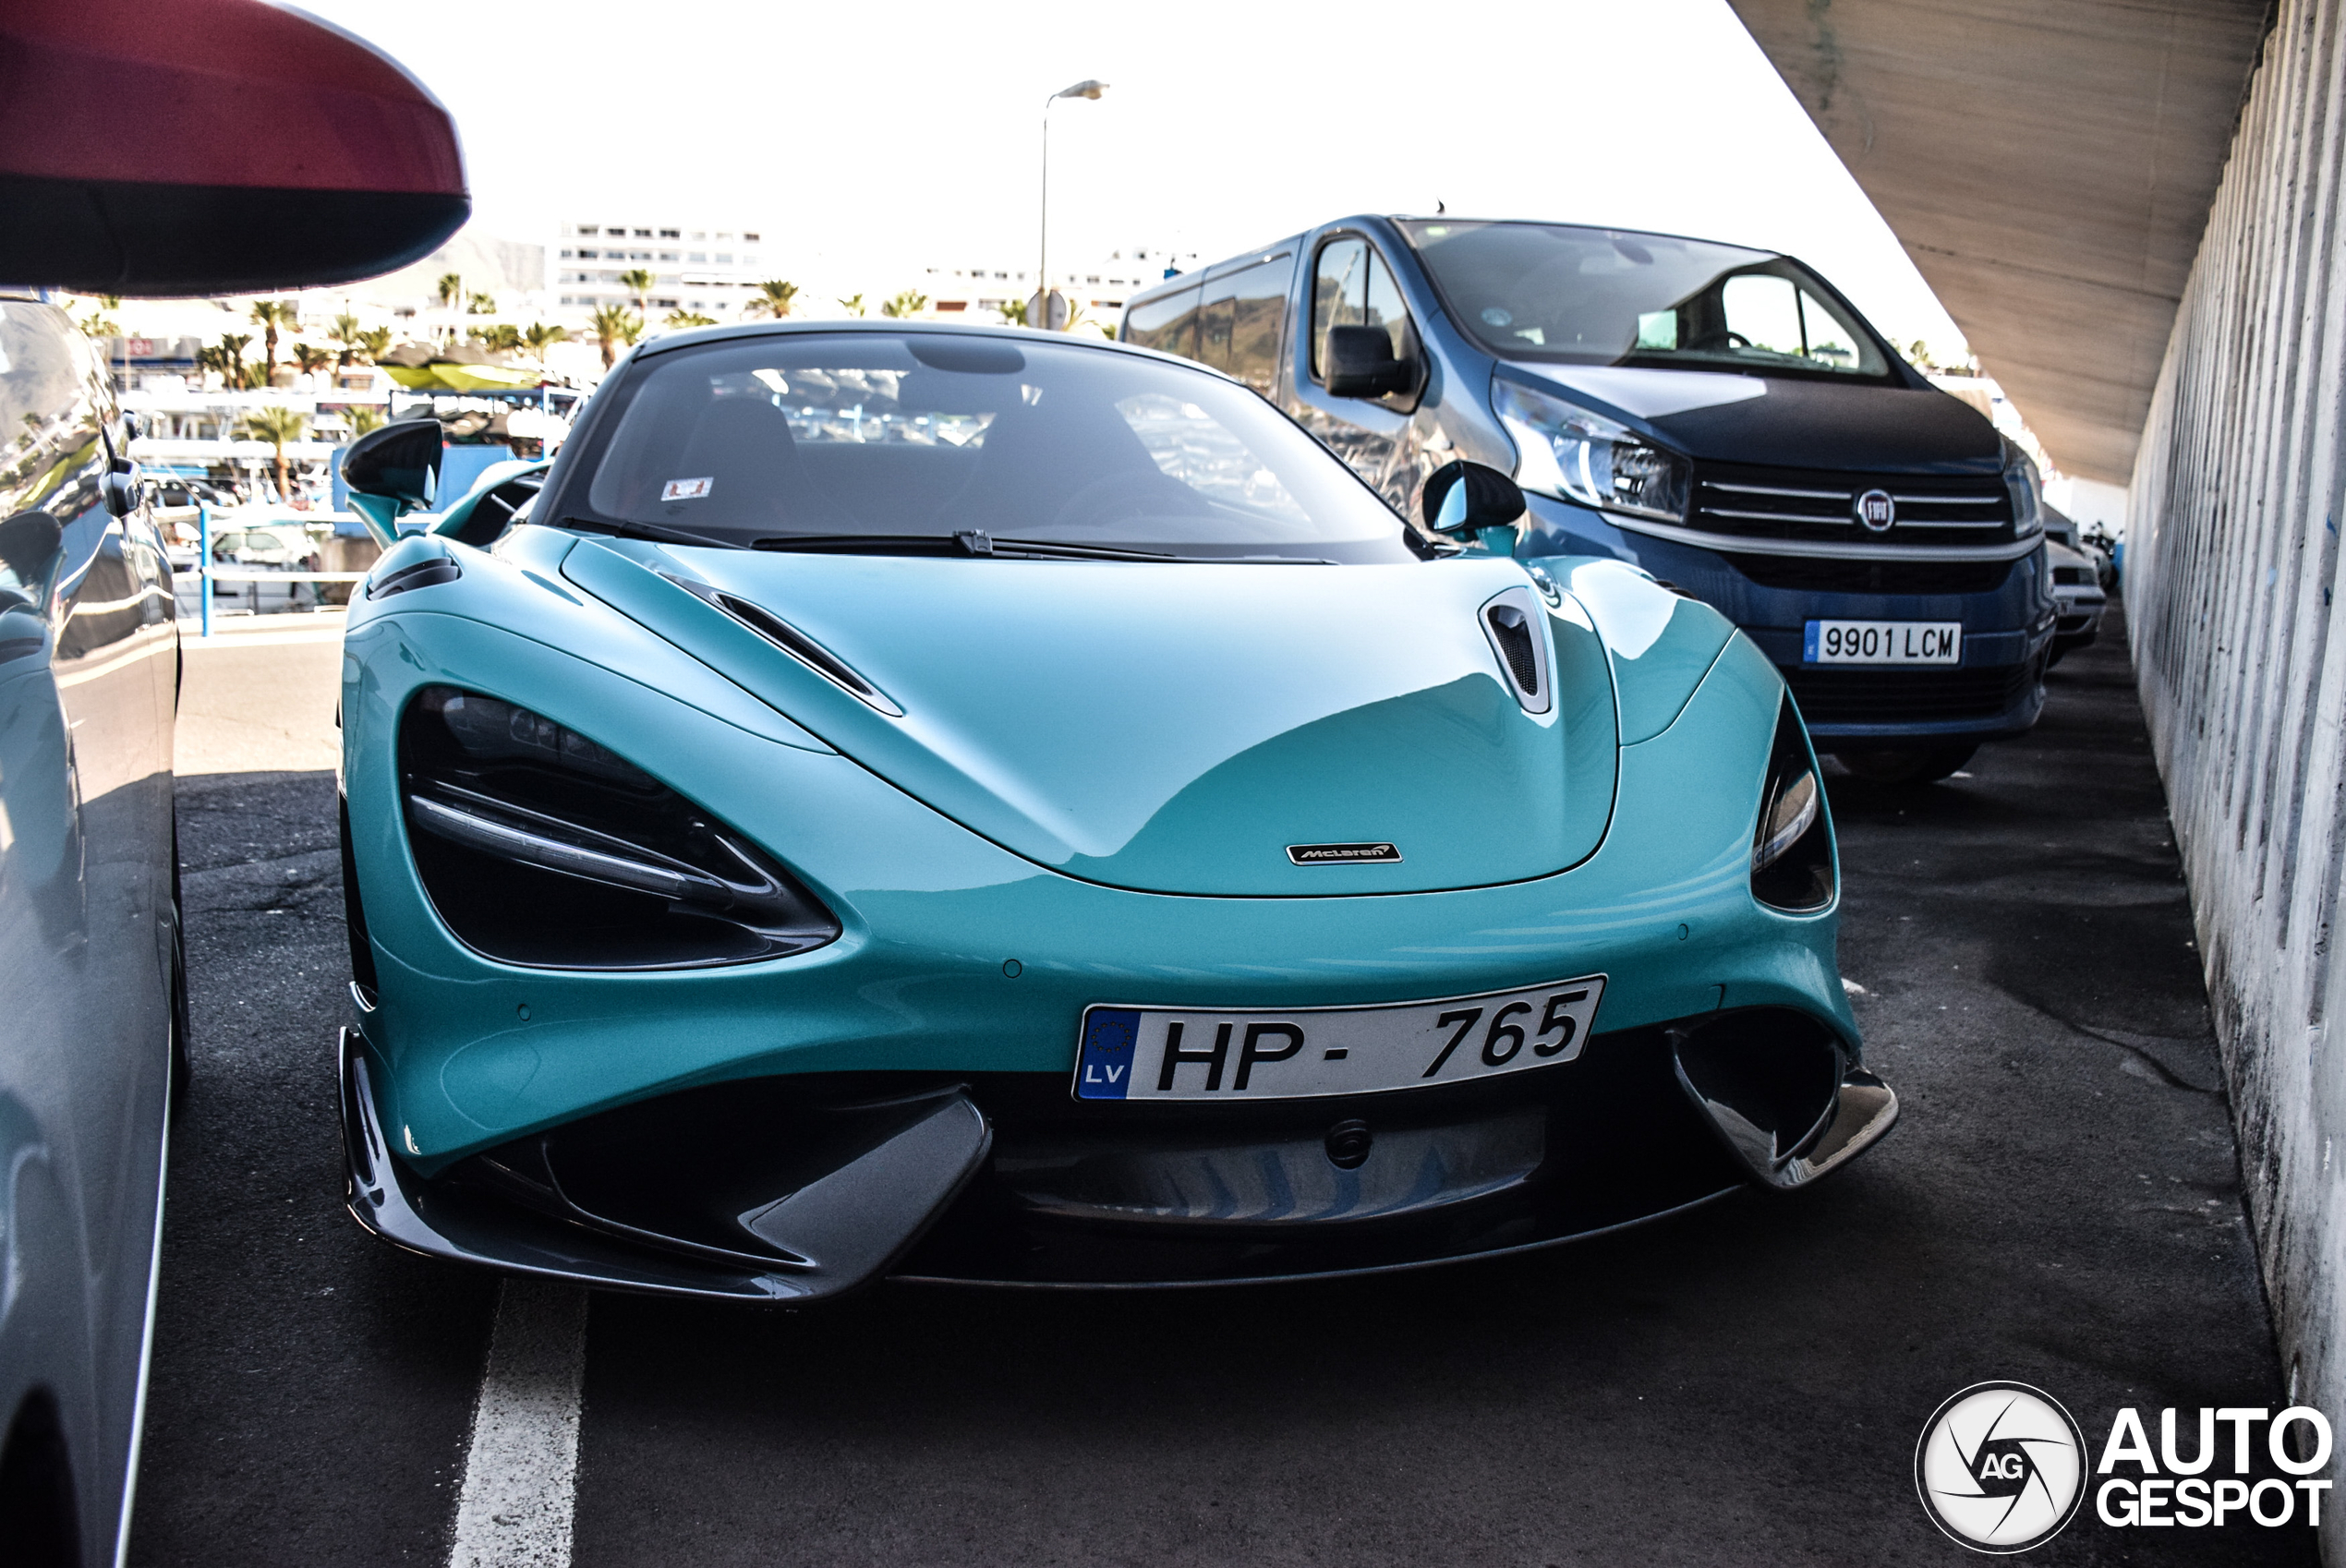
(393, 470)
(1465, 498)
(1361, 363)
(28, 546)
(124, 491)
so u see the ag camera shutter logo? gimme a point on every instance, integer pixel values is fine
(2000, 1467)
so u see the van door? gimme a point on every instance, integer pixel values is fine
(1352, 285)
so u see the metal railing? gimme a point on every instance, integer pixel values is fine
(207, 573)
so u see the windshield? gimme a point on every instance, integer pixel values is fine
(1602, 297)
(863, 438)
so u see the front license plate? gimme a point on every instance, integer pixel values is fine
(1190, 1054)
(1882, 642)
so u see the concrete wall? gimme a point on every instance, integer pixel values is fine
(2230, 591)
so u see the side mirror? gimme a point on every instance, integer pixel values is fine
(393, 470)
(1465, 498)
(29, 545)
(124, 489)
(1361, 363)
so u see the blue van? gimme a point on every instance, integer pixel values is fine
(1718, 415)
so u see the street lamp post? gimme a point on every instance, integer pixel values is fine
(1084, 89)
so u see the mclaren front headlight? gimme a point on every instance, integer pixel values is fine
(1572, 455)
(538, 846)
(1791, 848)
(2027, 492)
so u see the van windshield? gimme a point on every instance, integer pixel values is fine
(1554, 292)
(881, 441)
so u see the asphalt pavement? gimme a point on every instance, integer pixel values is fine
(2061, 1206)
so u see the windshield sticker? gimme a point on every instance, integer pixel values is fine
(685, 490)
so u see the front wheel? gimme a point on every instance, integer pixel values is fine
(1925, 766)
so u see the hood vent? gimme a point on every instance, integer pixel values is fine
(1513, 623)
(796, 642)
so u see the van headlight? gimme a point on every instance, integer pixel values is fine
(538, 846)
(1792, 847)
(2027, 502)
(1572, 455)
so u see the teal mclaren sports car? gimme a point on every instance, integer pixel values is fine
(918, 803)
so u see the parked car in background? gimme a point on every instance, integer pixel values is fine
(1718, 415)
(2093, 543)
(2077, 590)
(253, 177)
(241, 548)
(2106, 549)
(178, 504)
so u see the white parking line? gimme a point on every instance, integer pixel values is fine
(521, 1473)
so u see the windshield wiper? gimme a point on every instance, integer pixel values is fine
(652, 531)
(968, 542)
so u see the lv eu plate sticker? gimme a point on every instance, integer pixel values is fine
(1103, 1067)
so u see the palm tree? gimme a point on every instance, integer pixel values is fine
(638, 282)
(773, 298)
(481, 305)
(312, 359)
(910, 302)
(232, 353)
(271, 314)
(100, 323)
(451, 288)
(345, 331)
(364, 418)
(538, 337)
(852, 304)
(375, 345)
(615, 324)
(503, 338)
(677, 320)
(275, 425)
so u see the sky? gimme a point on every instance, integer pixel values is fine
(861, 139)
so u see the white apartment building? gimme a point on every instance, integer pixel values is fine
(1101, 282)
(712, 271)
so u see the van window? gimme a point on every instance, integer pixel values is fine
(1239, 322)
(1769, 314)
(1552, 292)
(1168, 324)
(1350, 287)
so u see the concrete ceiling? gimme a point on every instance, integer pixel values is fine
(2047, 164)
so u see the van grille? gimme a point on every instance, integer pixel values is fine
(1829, 574)
(1820, 505)
(1888, 696)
